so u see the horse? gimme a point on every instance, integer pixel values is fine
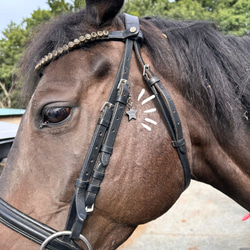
(170, 77)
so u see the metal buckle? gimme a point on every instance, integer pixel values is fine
(90, 209)
(107, 104)
(64, 233)
(145, 74)
(123, 81)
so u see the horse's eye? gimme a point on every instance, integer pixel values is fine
(55, 114)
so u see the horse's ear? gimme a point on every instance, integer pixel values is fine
(101, 11)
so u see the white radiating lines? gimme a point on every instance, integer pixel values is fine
(150, 110)
(147, 111)
(146, 126)
(148, 99)
(141, 94)
(151, 121)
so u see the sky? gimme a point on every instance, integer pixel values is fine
(16, 10)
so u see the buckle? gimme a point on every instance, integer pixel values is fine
(123, 81)
(89, 209)
(145, 74)
(107, 104)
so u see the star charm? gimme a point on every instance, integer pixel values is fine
(131, 114)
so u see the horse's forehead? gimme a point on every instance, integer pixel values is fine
(72, 66)
(82, 64)
(70, 77)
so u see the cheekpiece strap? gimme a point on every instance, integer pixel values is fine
(101, 148)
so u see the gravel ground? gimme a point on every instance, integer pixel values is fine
(202, 219)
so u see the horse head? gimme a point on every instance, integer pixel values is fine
(72, 68)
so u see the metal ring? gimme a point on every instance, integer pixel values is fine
(64, 233)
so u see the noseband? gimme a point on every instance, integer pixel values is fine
(101, 146)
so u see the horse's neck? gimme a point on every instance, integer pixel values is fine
(223, 165)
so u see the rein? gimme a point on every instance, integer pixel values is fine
(101, 148)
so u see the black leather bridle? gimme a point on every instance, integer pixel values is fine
(100, 150)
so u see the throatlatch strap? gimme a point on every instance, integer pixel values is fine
(169, 110)
(170, 113)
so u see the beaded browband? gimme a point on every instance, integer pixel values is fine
(72, 44)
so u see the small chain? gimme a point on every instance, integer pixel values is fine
(130, 102)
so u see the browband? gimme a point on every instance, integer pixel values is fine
(83, 39)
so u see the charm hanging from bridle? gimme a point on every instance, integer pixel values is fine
(131, 113)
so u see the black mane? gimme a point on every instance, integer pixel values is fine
(211, 70)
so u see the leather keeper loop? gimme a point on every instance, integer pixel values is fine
(104, 158)
(81, 184)
(153, 80)
(103, 122)
(122, 99)
(98, 175)
(181, 144)
(106, 149)
(93, 189)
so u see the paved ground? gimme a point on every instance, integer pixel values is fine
(202, 219)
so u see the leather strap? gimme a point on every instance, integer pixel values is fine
(170, 113)
(77, 210)
(169, 110)
(121, 103)
(30, 228)
(118, 98)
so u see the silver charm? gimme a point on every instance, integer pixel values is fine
(131, 113)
